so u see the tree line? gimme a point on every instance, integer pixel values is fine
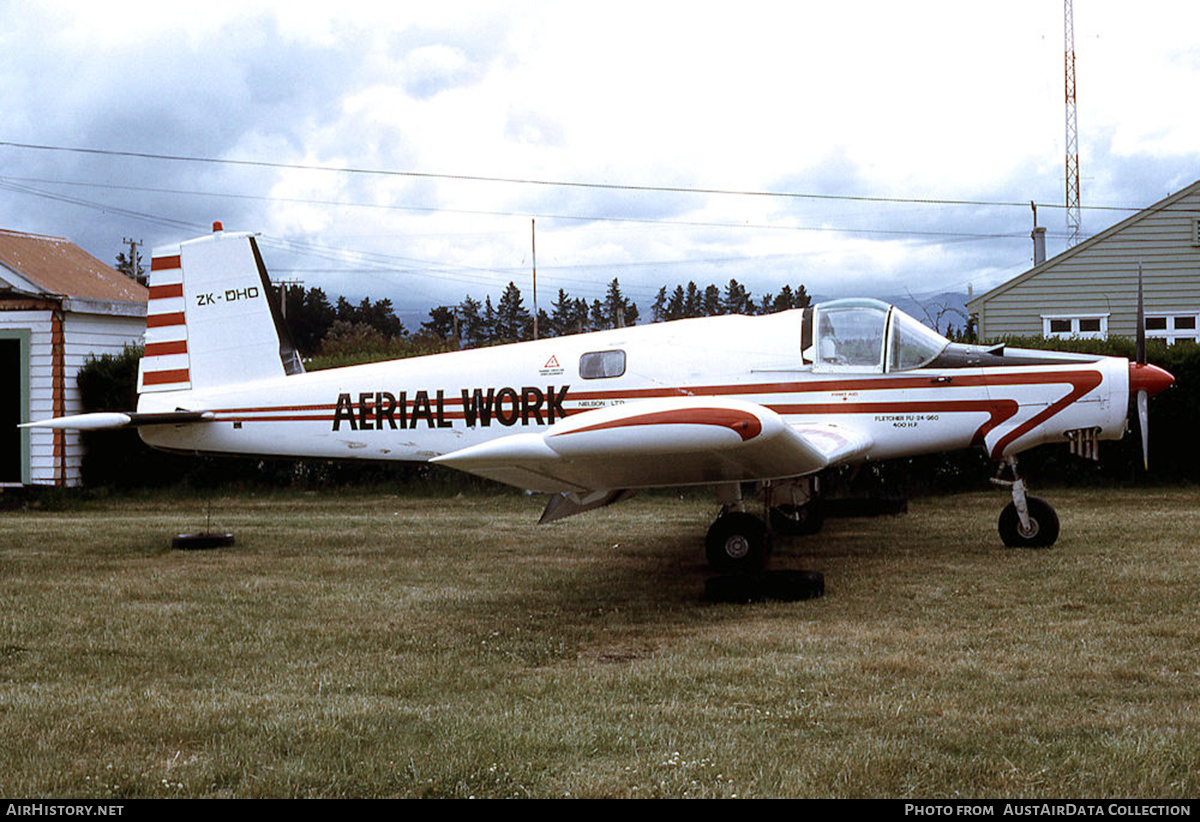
(342, 328)
(318, 325)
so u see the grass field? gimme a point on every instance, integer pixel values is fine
(384, 646)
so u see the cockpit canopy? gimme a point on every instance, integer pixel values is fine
(869, 336)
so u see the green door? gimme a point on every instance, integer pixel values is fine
(14, 406)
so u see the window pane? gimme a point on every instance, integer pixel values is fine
(852, 335)
(602, 364)
(1156, 323)
(1060, 326)
(913, 344)
(1089, 325)
(1185, 322)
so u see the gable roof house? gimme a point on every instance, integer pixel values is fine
(1090, 290)
(59, 306)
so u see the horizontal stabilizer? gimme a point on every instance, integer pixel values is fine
(102, 420)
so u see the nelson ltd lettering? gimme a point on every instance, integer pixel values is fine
(384, 410)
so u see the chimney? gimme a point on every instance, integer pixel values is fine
(1039, 245)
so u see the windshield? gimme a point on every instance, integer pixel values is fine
(855, 335)
(850, 334)
(913, 344)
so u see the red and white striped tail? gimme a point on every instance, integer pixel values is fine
(165, 363)
(210, 320)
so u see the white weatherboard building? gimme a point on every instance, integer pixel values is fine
(1090, 290)
(59, 306)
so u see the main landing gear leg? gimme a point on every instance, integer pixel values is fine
(738, 540)
(739, 544)
(1026, 522)
(794, 507)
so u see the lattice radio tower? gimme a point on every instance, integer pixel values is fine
(1072, 127)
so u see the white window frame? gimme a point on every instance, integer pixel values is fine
(1171, 333)
(1075, 333)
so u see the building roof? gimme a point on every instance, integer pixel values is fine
(43, 266)
(1162, 205)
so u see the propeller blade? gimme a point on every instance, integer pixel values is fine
(1143, 403)
(1141, 322)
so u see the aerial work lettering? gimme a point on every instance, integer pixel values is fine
(380, 410)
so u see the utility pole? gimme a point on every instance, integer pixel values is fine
(283, 286)
(135, 269)
(533, 240)
(1073, 207)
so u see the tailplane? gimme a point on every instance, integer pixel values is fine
(211, 320)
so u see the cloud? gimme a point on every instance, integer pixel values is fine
(937, 100)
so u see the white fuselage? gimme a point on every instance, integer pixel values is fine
(425, 407)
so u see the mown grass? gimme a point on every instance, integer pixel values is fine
(399, 646)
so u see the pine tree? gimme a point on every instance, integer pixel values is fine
(132, 267)
(441, 323)
(562, 316)
(658, 311)
(691, 301)
(471, 324)
(736, 299)
(617, 311)
(580, 317)
(676, 309)
(513, 322)
(489, 321)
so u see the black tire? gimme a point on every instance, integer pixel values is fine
(1043, 525)
(779, 586)
(798, 520)
(792, 586)
(201, 542)
(737, 542)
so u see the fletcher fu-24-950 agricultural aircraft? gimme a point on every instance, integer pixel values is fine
(723, 401)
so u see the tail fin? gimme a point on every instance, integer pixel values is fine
(211, 320)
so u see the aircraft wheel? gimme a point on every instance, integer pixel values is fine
(1043, 525)
(798, 520)
(737, 542)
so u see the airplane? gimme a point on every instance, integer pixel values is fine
(726, 401)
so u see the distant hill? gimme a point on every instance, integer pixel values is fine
(944, 308)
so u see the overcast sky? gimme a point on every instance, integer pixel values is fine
(655, 112)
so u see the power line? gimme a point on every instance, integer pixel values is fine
(529, 181)
(13, 182)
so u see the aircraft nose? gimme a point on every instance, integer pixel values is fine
(1148, 378)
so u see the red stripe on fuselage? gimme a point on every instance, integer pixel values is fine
(998, 411)
(744, 424)
(1082, 382)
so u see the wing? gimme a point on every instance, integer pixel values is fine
(661, 442)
